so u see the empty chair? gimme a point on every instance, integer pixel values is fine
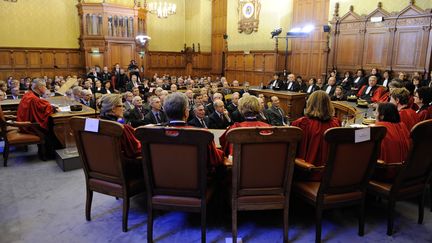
(13, 137)
(263, 163)
(175, 171)
(412, 177)
(345, 175)
(106, 169)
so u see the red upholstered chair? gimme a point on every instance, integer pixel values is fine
(263, 163)
(345, 175)
(13, 137)
(106, 170)
(175, 171)
(413, 176)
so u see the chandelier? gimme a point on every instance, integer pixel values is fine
(162, 9)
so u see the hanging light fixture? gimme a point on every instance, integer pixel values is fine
(162, 9)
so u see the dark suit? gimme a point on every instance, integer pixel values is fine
(303, 87)
(236, 116)
(215, 122)
(196, 123)
(121, 82)
(293, 86)
(275, 117)
(90, 103)
(313, 89)
(150, 118)
(262, 116)
(166, 86)
(105, 77)
(209, 109)
(136, 116)
(231, 108)
(275, 84)
(332, 89)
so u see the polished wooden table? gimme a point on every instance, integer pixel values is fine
(350, 112)
(292, 103)
(59, 121)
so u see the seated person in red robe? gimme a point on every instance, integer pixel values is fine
(423, 98)
(396, 143)
(35, 109)
(371, 92)
(111, 108)
(249, 108)
(400, 97)
(176, 107)
(319, 116)
(386, 96)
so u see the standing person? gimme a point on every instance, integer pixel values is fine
(319, 116)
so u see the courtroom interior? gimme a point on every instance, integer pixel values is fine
(216, 121)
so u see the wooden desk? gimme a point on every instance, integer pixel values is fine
(60, 120)
(10, 104)
(292, 103)
(350, 110)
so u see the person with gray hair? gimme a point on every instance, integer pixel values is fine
(200, 119)
(33, 108)
(156, 115)
(220, 118)
(176, 107)
(87, 98)
(111, 109)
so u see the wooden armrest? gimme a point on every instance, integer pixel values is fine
(22, 124)
(303, 165)
(382, 164)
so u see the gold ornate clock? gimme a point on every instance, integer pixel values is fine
(248, 15)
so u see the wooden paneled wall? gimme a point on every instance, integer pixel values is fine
(219, 30)
(254, 67)
(308, 54)
(178, 63)
(401, 42)
(37, 62)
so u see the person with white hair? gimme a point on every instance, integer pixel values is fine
(33, 108)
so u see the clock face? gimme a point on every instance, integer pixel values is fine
(248, 10)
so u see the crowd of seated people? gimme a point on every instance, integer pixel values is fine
(213, 104)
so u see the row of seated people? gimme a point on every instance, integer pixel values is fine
(349, 83)
(319, 116)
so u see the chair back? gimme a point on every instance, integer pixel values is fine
(418, 166)
(349, 164)
(100, 151)
(263, 159)
(175, 160)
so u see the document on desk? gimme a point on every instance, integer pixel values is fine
(64, 109)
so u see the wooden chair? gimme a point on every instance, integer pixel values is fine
(175, 170)
(106, 170)
(413, 175)
(263, 163)
(345, 175)
(13, 137)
